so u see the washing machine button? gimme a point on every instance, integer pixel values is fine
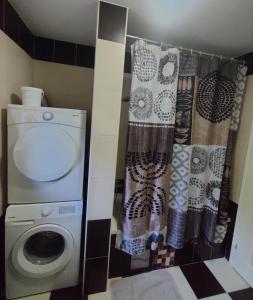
(46, 211)
(47, 116)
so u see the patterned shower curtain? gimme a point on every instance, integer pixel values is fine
(150, 141)
(184, 112)
(209, 97)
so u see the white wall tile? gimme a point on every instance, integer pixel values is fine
(106, 112)
(229, 279)
(103, 156)
(109, 65)
(100, 198)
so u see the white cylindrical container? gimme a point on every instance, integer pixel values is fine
(31, 96)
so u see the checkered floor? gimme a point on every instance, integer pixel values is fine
(210, 280)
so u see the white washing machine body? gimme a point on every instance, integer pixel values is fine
(42, 247)
(46, 149)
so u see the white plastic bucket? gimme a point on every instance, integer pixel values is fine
(31, 96)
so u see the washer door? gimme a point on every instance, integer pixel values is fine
(44, 154)
(42, 251)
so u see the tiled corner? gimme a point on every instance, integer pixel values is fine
(226, 275)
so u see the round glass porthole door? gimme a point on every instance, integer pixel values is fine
(43, 251)
(44, 154)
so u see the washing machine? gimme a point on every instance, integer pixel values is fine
(46, 148)
(42, 247)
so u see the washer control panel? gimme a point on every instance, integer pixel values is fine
(46, 211)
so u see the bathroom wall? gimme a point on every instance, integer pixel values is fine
(15, 71)
(242, 141)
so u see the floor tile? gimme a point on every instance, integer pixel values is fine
(246, 294)
(219, 297)
(201, 280)
(183, 285)
(229, 279)
(106, 295)
(44, 296)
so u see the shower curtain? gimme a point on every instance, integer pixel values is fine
(184, 112)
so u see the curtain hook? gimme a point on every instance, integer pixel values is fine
(200, 53)
(221, 57)
(244, 62)
(191, 51)
(180, 48)
(231, 59)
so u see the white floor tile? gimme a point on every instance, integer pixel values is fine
(182, 284)
(44, 296)
(229, 279)
(219, 297)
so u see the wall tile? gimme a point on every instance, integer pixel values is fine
(98, 237)
(112, 22)
(85, 56)
(2, 12)
(103, 149)
(96, 275)
(12, 22)
(26, 38)
(100, 198)
(66, 294)
(127, 64)
(106, 103)
(65, 53)
(120, 263)
(44, 49)
(109, 65)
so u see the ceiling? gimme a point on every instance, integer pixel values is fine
(218, 26)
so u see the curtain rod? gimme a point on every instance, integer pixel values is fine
(187, 49)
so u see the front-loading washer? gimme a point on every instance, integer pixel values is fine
(46, 149)
(42, 247)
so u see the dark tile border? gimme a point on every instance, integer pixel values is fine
(96, 270)
(67, 294)
(98, 238)
(48, 49)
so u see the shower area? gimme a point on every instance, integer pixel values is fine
(180, 115)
